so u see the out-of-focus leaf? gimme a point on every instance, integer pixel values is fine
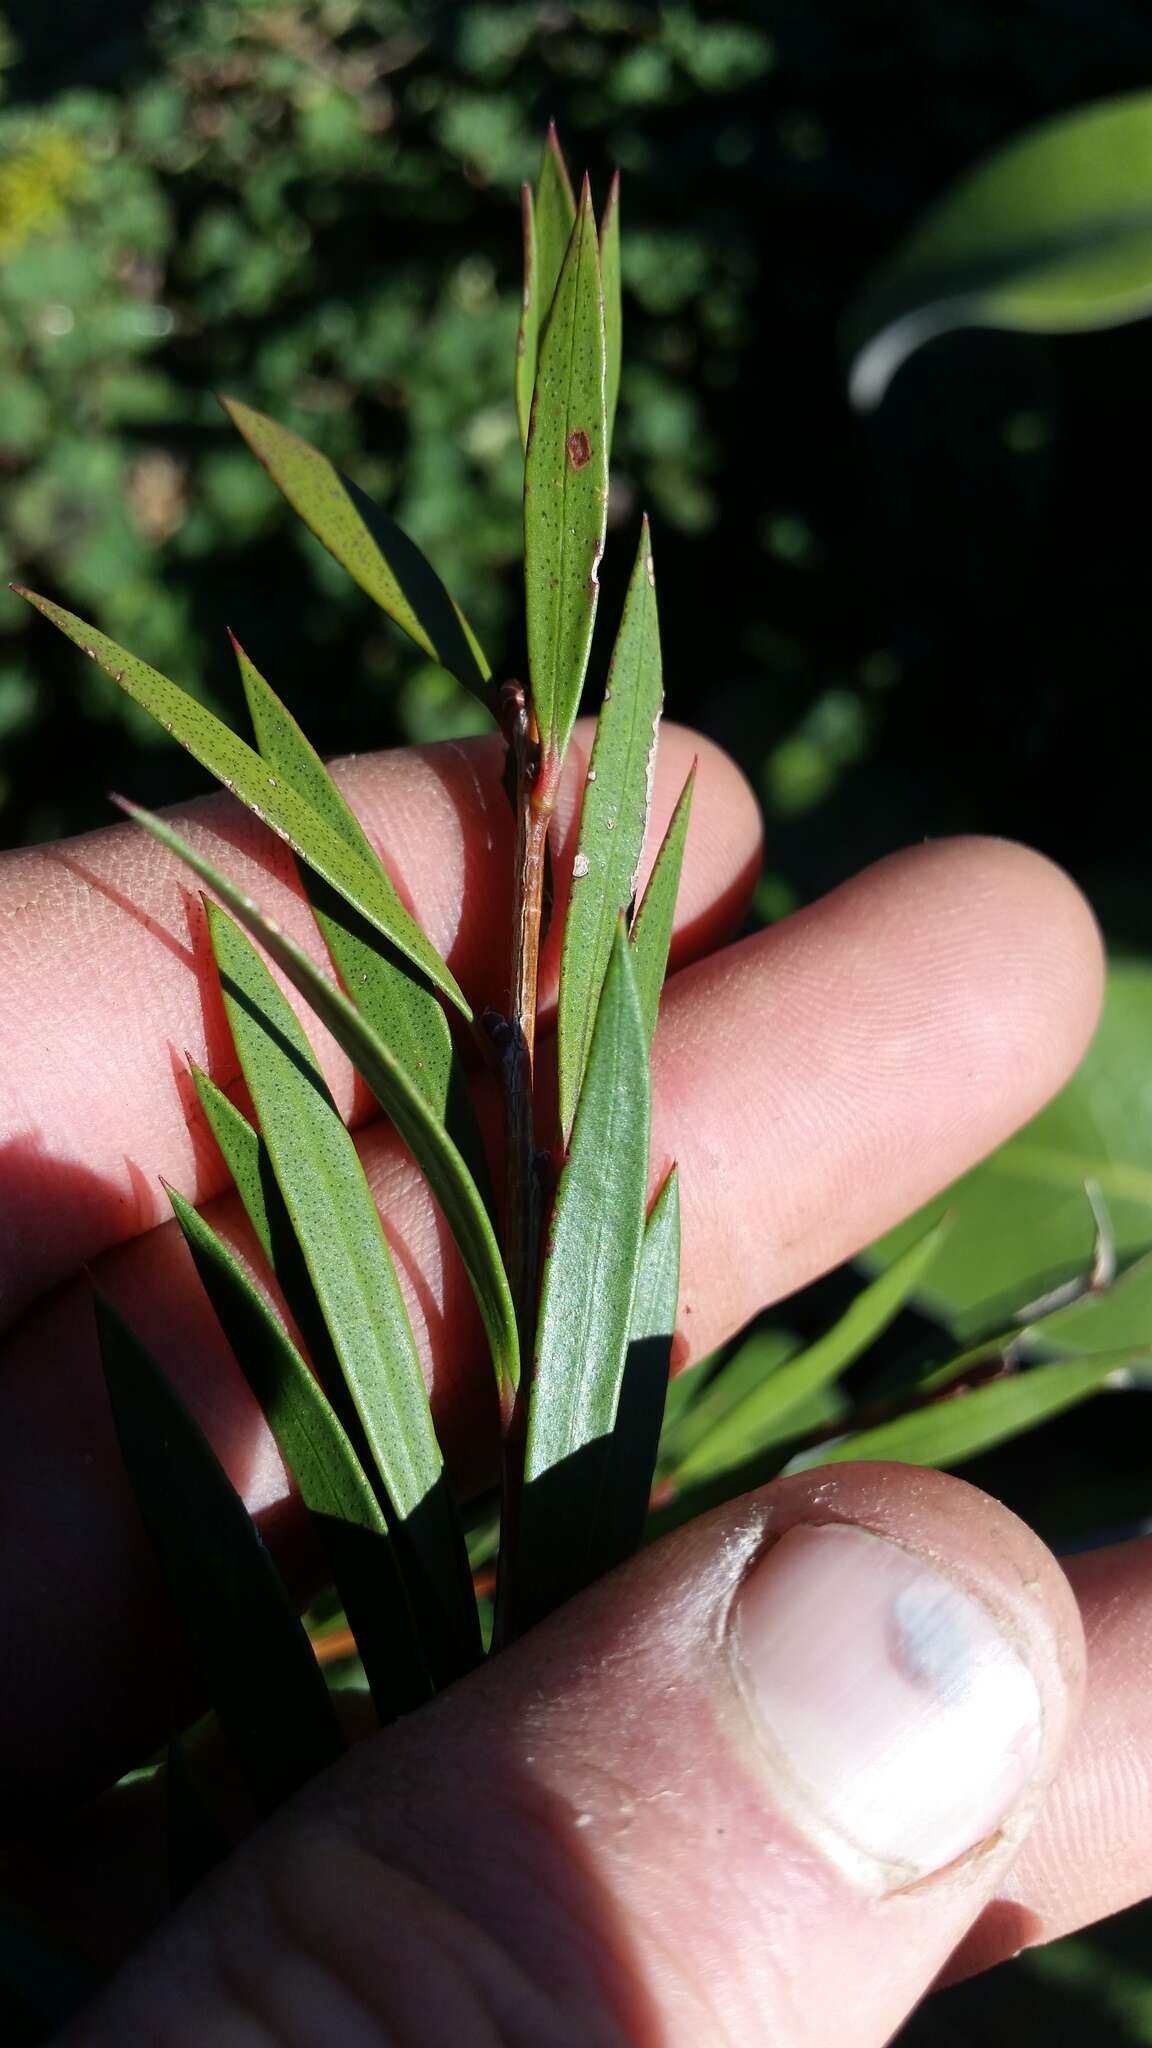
(631, 1462)
(709, 1404)
(555, 213)
(336, 1222)
(528, 333)
(362, 883)
(685, 1389)
(1021, 1219)
(950, 1431)
(586, 1306)
(613, 821)
(1118, 1315)
(397, 1003)
(365, 541)
(763, 1416)
(613, 312)
(332, 1484)
(652, 930)
(566, 488)
(255, 1658)
(448, 1174)
(1052, 233)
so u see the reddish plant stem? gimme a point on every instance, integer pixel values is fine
(535, 776)
(535, 783)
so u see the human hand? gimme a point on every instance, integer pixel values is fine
(678, 1810)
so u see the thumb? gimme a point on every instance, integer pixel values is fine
(752, 1788)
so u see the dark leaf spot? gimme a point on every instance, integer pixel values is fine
(579, 449)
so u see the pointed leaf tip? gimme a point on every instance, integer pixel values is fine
(613, 822)
(361, 536)
(655, 919)
(360, 880)
(566, 489)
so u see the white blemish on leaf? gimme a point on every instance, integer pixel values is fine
(580, 867)
(649, 784)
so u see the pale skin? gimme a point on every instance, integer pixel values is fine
(574, 1847)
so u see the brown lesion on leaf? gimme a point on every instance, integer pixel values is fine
(579, 448)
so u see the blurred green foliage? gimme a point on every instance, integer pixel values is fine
(929, 620)
(310, 205)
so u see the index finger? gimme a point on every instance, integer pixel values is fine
(107, 980)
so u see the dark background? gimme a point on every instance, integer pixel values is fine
(934, 619)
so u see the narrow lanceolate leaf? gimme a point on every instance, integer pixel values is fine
(950, 1431)
(332, 1483)
(763, 1416)
(741, 1372)
(613, 821)
(365, 541)
(528, 333)
(396, 1002)
(361, 882)
(254, 1656)
(586, 1307)
(631, 1462)
(613, 312)
(566, 488)
(425, 1135)
(1051, 234)
(336, 1222)
(246, 1156)
(554, 212)
(652, 929)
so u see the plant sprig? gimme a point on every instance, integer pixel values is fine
(577, 1280)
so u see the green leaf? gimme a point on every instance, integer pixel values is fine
(740, 1371)
(566, 489)
(448, 1175)
(631, 1462)
(361, 882)
(1022, 1219)
(586, 1306)
(327, 1472)
(949, 1431)
(528, 333)
(763, 1416)
(555, 214)
(1108, 1320)
(255, 1658)
(613, 312)
(652, 930)
(335, 1219)
(377, 554)
(613, 821)
(246, 1157)
(1051, 234)
(684, 1390)
(394, 1000)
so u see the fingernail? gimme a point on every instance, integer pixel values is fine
(903, 1722)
